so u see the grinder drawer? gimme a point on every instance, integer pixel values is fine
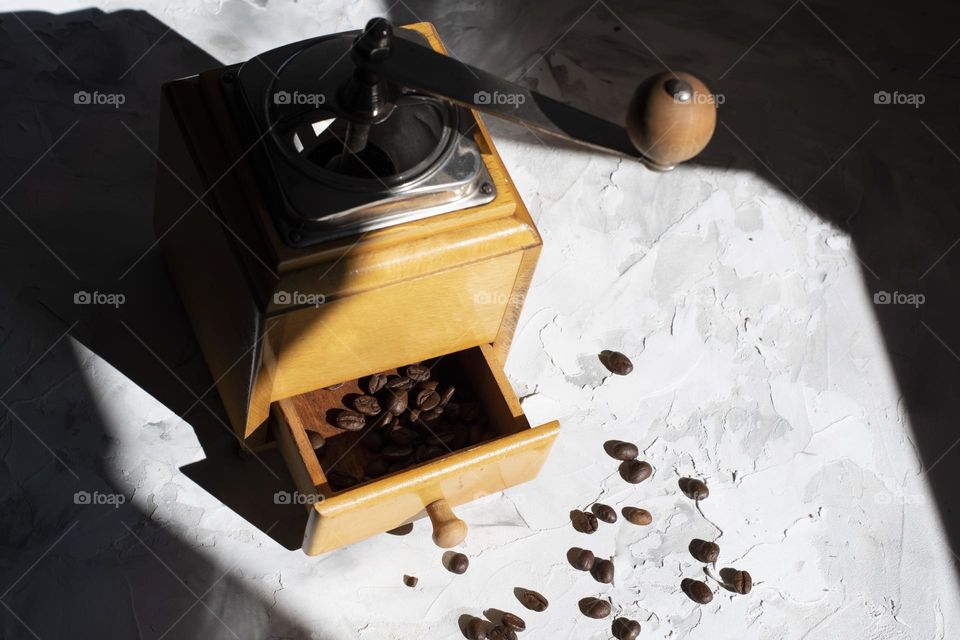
(511, 452)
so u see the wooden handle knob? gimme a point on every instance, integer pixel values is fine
(671, 118)
(448, 529)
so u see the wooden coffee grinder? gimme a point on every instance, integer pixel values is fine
(335, 208)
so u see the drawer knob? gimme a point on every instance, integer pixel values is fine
(448, 529)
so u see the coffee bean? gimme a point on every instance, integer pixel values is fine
(384, 420)
(583, 521)
(594, 607)
(399, 383)
(351, 421)
(736, 580)
(340, 481)
(401, 435)
(431, 417)
(396, 401)
(637, 516)
(367, 405)
(501, 633)
(635, 471)
(602, 571)
(531, 599)
(402, 530)
(704, 551)
(625, 629)
(513, 622)
(693, 488)
(696, 590)
(458, 563)
(447, 395)
(622, 450)
(616, 362)
(604, 512)
(418, 373)
(427, 400)
(410, 581)
(376, 382)
(333, 387)
(376, 468)
(477, 629)
(582, 559)
(316, 440)
(396, 451)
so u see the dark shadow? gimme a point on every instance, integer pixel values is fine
(75, 220)
(801, 111)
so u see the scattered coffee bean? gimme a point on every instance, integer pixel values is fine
(616, 362)
(418, 373)
(447, 395)
(399, 383)
(581, 559)
(604, 512)
(430, 384)
(513, 622)
(458, 563)
(383, 420)
(501, 632)
(402, 530)
(351, 421)
(704, 551)
(638, 516)
(367, 405)
(696, 590)
(583, 521)
(340, 481)
(396, 401)
(316, 440)
(401, 435)
(531, 599)
(376, 382)
(427, 400)
(602, 571)
(431, 417)
(693, 488)
(635, 471)
(595, 607)
(625, 629)
(736, 580)
(477, 629)
(620, 450)
(396, 451)
(410, 581)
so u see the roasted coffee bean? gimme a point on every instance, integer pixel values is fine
(382, 421)
(477, 629)
(501, 632)
(704, 551)
(583, 521)
(413, 415)
(376, 382)
(333, 387)
(340, 481)
(620, 450)
(427, 400)
(470, 411)
(531, 599)
(638, 516)
(625, 629)
(367, 405)
(616, 362)
(602, 571)
(513, 622)
(594, 607)
(458, 563)
(635, 471)
(396, 451)
(428, 452)
(396, 401)
(604, 512)
(316, 440)
(351, 421)
(431, 417)
(410, 581)
(693, 488)
(582, 559)
(736, 580)
(697, 591)
(447, 395)
(402, 530)
(401, 435)
(376, 468)
(399, 383)
(429, 384)
(418, 373)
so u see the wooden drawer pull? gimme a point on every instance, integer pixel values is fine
(448, 529)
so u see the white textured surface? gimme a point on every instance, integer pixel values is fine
(758, 367)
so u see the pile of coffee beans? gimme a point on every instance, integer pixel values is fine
(404, 419)
(503, 625)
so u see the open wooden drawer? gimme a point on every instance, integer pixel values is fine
(512, 453)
